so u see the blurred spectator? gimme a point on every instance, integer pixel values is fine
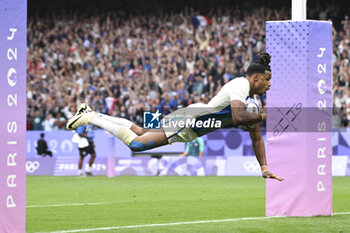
(336, 120)
(49, 123)
(38, 121)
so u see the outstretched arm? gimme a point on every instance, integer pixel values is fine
(259, 150)
(241, 117)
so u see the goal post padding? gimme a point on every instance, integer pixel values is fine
(299, 110)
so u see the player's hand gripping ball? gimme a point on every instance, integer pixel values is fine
(252, 106)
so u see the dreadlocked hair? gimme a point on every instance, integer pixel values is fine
(261, 65)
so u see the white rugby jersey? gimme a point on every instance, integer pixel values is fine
(218, 109)
(236, 89)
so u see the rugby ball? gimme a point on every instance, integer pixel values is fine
(252, 107)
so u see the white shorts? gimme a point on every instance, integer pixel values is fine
(174, 124)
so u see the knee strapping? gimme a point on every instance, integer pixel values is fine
(139, 146)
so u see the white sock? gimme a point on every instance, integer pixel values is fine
(80, 172)
(123, 133)
(88, 169)
(116, 120)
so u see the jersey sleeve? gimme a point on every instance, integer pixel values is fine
(239, 90)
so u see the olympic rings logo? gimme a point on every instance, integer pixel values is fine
(32, 166)
(251, 166)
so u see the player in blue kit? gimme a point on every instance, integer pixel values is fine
(85, 150)
(194, 148)
(186, 124)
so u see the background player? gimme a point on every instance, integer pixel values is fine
(194, 148)
(84, 150)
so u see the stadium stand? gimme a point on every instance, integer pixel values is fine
(123, 60)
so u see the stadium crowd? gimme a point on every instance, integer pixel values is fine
(123, 64)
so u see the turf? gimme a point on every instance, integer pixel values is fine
(126, 201)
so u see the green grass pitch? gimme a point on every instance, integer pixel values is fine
(128, 201)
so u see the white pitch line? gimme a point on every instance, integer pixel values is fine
(165, 224)
(175, 223)
(341, 213)
(68, 204)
